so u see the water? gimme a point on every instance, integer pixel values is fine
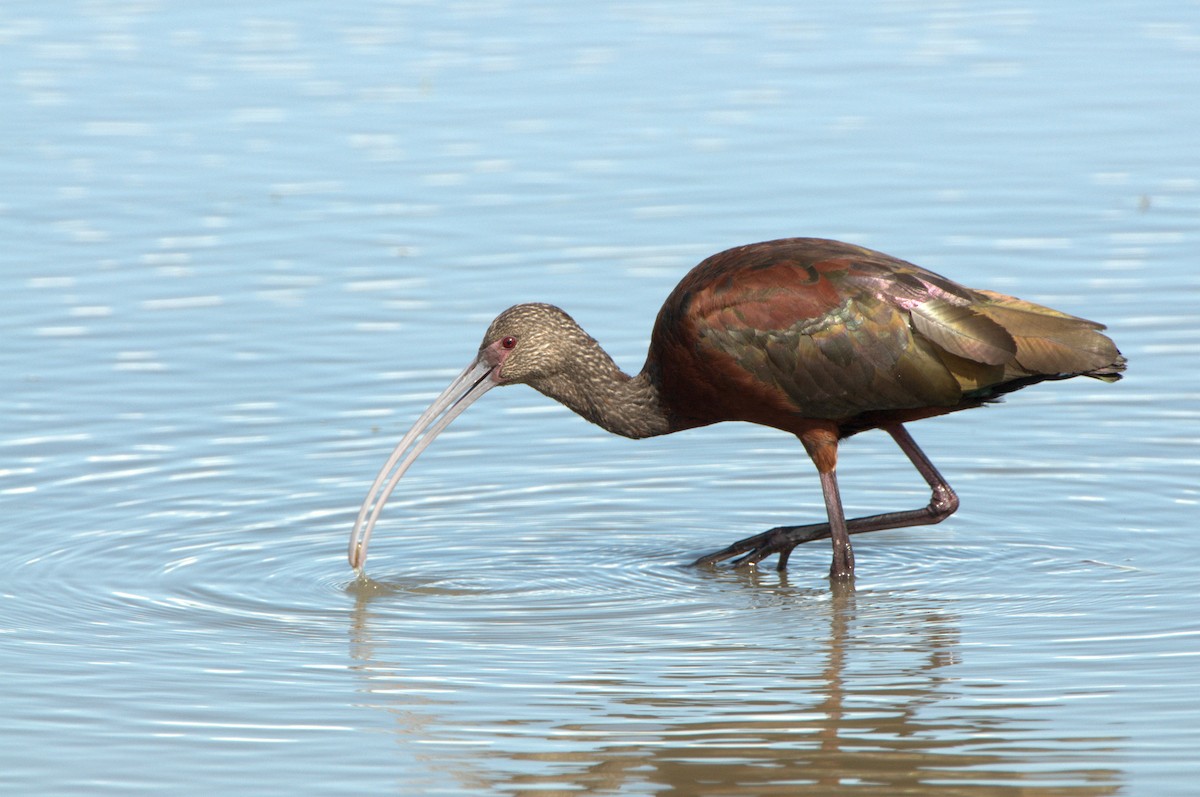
(244, 247)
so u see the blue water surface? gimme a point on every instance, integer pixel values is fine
(245, 245)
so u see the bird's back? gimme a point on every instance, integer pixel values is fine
(806, 328)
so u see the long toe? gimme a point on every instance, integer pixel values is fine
(779, 540)
(749, 545)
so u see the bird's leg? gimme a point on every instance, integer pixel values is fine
(821, 444)
(782, 539)
(843, 554)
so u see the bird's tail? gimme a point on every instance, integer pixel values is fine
(1053, 344)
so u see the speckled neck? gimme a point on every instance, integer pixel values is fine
(598, 390)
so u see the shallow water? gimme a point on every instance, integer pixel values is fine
(245, 248)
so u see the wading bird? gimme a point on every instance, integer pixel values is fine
(818, 338)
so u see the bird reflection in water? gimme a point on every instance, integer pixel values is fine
(864, 700)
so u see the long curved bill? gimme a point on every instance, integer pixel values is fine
(477, 379)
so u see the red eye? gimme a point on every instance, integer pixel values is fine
(509, 343)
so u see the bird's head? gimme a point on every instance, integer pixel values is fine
(531, 344)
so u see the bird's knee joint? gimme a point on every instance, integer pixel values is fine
(943, 504)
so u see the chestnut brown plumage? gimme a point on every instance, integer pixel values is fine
(818, 338)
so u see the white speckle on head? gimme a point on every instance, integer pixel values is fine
(557, 358)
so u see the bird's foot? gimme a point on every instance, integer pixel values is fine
(842, 568)
(779, 540)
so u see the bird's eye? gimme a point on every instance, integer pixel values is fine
(509, 342)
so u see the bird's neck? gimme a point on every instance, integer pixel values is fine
(610, 398)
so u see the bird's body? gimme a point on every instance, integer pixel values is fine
(818, 338)
(805, 331)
